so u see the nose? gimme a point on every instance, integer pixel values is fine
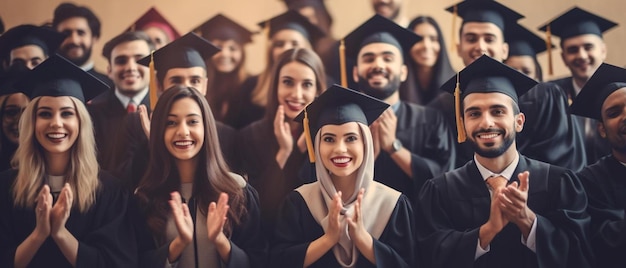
(487, 121)
(183, 130)
(379, 62)
(74, 37)
(582, 53)
(56, 121)
(341, 147)
(481, 45)
(297, 92)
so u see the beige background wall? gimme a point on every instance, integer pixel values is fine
(116, 15)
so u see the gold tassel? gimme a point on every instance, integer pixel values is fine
(549, 47)
(455, 13)
(307, 137)
(342, 63)
(461, 136)
(153, 83)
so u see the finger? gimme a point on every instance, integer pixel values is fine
(523, 178)
(69, 194)
(278, 119)
(185, 210)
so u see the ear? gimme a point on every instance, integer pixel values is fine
(601, 130)
(505, 51)
(603, 50)
(355, 74)
(519, 122)
(404, 72)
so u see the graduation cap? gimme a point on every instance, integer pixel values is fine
(336, 106)
(606, 80)
(222, 28)
(10, 77)
(297, 4)
(44, 37)
(152, 18)
(523, 42)
(294, 21)
(377, 29)
(485, 75)
(57, 77)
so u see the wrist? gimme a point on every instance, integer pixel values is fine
(395, 147)
(60, 234)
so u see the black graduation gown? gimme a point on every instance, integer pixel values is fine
(595, 146)
(258, 148)
(424, 132)
(550, 134)
(452, 208)
(605, 184)
(104, 233)
(248, 112)
(296, 229)
(132, 151)
(107, 114)
(248, 246)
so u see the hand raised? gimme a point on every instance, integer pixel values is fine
(388, 124)
(216, 218)
(282, 130)
(334, 229)
(182, 218)
(356, 229)
(60, 212)
(42, 212)
(514, 202)
(145, 119)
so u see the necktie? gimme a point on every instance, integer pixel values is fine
(496, 182)
(131, 108)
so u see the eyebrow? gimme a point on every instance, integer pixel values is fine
(332, 134)
(495, 106)
(188, 115)
(372, 54)
(48, 108)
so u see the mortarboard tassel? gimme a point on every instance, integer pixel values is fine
(455, 13)
(342, 63)
(461, 136)
(153, 83)
(307, 137)
(549, 47)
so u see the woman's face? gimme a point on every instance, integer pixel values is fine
(297, 87)
(341, 149)
(287, 39)
(158, 37)
(57, 125)
(229, 58)
(524, 64)
(12, 111)
(426, 52)
(184, 129)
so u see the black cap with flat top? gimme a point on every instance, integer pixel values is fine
(153, 18)
(336, 106)
(223, 28)
(10, 77)
(606, 80)
(379, 29)
(294, 21)
(44, 37)
(523, 42)
(576, 22)
(485, 11)
(57, 77)
(188, 51)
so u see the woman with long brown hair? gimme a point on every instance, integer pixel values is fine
(197, 213)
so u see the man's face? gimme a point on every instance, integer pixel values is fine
(29, 55)
(490, 123)
(79, 42)
(613, 125)
(379, 70)
(387, 8)
(128, 76)
(583, 54)
(190, 77)
(478, 38)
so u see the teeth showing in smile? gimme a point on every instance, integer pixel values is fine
(56, 135)
(341, 160)
(183, 143)
(488, 136)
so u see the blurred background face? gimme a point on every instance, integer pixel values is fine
(78, 44)
(29, 55)
(297, 88)
(128, 76)
(287, 39)
(524, 64)
(478, 38)
(583, 54)
(387, 8)
(426, 52)
(194, 77)
(158, 37)
(229, 58)
(11, 113)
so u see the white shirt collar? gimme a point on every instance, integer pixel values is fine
(577, 89)
(136, 99)
(88, 66)
(506, 173)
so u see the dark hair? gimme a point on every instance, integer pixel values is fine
(442, 70)
(162, 177)
(123, 38)
(69, 10)
(302, 55)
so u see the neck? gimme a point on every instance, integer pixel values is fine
(580, 83)
(393, 99)
(57, 164)
(620, 156)
(424, 77)
(344, 184)
(187, 169)
(498, 164)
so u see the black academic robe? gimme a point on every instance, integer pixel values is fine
(107, 114)
(104, 233)
(550, 134)
(296, 229)
(248, 112)
(102, 77)
(132, 151)
(258, 148)
(424, 132)
(248, 245)
(452, 208)
(605, 184)
(595, 146)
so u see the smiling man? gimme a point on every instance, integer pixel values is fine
(469, 217)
